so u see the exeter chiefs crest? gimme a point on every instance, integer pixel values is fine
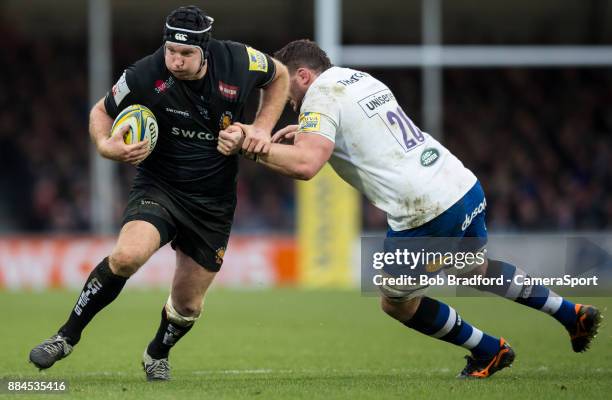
(226, 119)
(219, 256)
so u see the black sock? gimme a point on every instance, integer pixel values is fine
(100, 289)
(167, 335)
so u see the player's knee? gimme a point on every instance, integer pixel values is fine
(189, 309)
(124, 262)
(401, 311)
(183, 313)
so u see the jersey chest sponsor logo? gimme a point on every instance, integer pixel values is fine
(257, 60)
(356, 77)
(161, 86)
(469, 218)
(429, 157)
(310, 122)
(230, 92)
(189, 134)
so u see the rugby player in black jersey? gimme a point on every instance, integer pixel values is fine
(185, 190)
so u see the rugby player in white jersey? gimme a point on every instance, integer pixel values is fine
(352, 120)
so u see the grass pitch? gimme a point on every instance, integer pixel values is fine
(296, 344)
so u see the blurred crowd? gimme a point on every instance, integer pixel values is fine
(538, 139)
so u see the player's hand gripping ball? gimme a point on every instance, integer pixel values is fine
(142, 122)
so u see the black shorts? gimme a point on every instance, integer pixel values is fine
(198, 226)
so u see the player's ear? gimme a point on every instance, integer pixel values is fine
(304, 75)
(301, 73)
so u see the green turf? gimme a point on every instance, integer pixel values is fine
(288, 344)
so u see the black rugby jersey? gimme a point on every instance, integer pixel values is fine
(190, 115)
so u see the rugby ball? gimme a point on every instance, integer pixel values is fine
(142, 122)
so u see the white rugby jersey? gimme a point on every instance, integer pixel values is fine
(380, 151)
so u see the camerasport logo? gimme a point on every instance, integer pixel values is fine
(162, 86)
(228, 91)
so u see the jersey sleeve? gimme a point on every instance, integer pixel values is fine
(121, 94)
(320, 114)
(255, 68)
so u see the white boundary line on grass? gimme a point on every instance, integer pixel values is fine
(262, 371)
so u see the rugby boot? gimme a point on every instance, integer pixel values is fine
(485, 367)
(48, 352)
(588, 319)
(156, 370)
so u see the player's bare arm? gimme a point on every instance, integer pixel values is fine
(272, 103)
(302, 160)
(113, 147)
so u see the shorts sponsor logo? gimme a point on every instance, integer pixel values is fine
(429, 157)
(220, 253)
(180, 36)
(469, 218)
(189, 134)
(162, 86)
(121, 89)
(228, 91)
(310, 122)
(226, 119)
(257, 60)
